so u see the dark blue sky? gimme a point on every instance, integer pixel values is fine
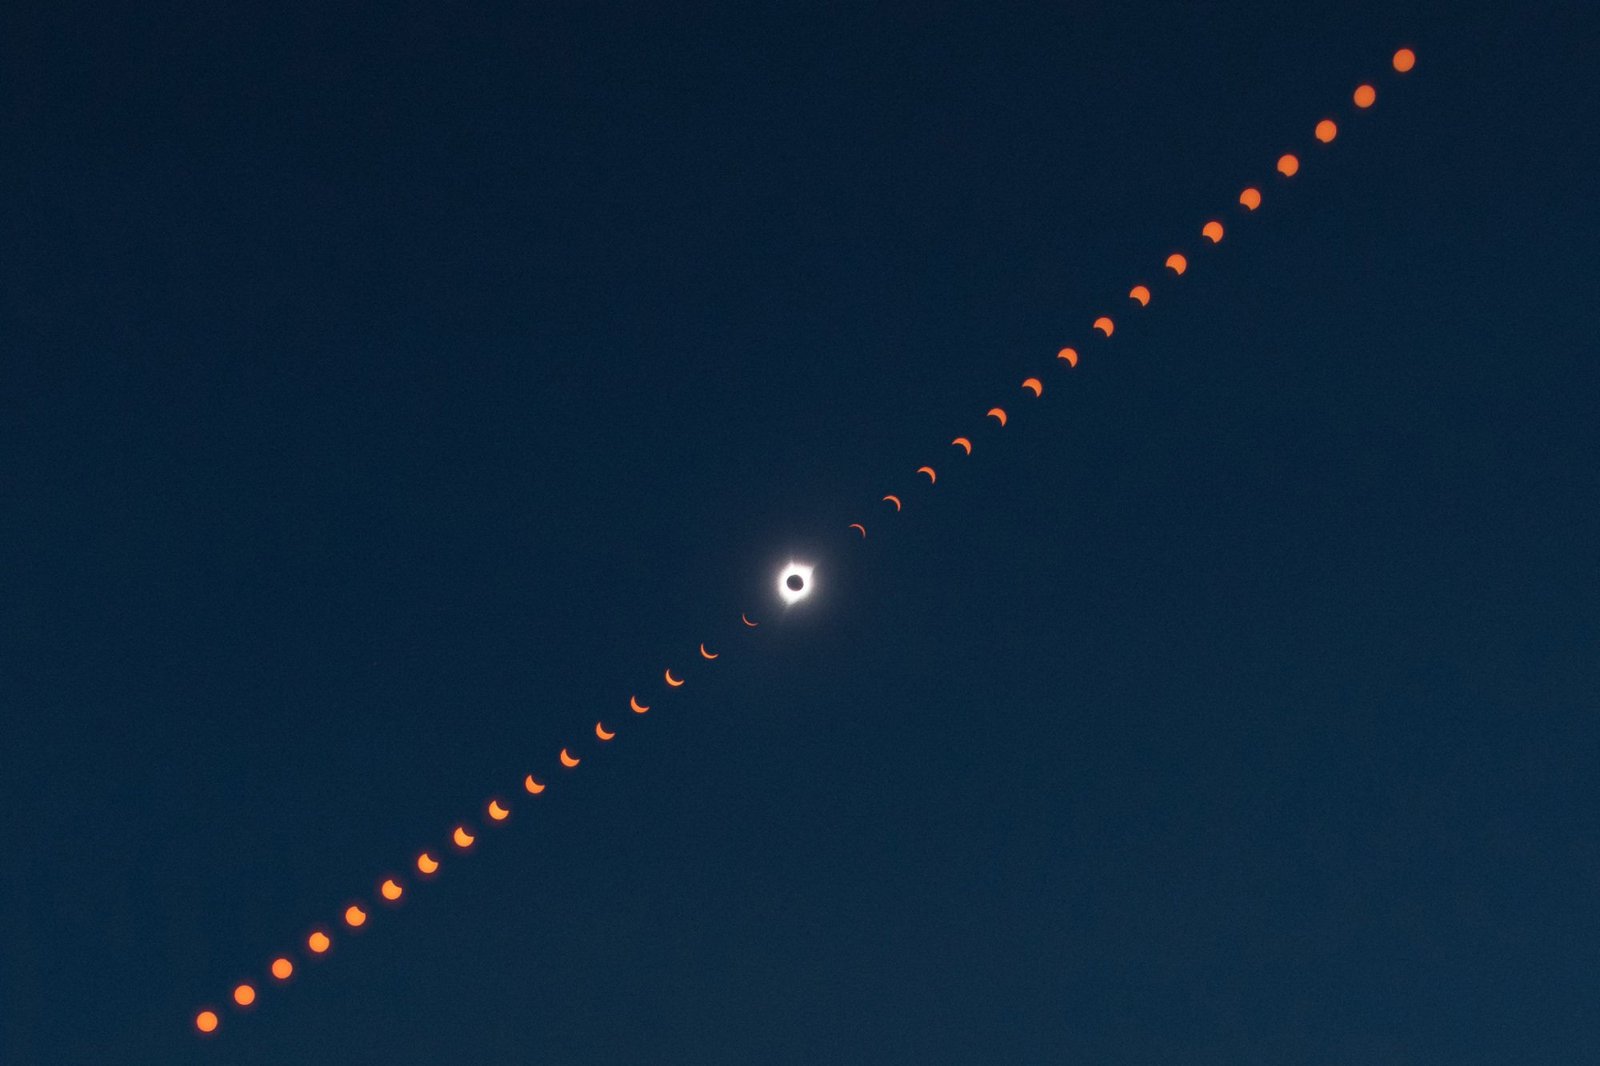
(387, 392)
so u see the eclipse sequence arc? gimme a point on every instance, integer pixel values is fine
(795, 582)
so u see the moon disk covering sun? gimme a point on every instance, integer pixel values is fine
(794, 582)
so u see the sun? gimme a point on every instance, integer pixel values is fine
(794, 582)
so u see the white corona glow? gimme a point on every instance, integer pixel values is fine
(786, 579)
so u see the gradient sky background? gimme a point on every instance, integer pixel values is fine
(389, 391)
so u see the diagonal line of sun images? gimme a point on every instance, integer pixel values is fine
(391, 890)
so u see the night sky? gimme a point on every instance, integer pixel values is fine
(389, 391)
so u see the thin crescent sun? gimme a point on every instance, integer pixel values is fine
(497, 812)
(747, 621)
(462, 838)
(894, 500)
(602, 732)
(933, 479)
(673, 681)
(568, 759)
(1070, 355)
(707, 655)
(1034, 385)
(638, 708)
(533, 785)
(859, 527)
(964, 444)
(998, 413)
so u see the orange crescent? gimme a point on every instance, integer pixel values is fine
(462, 838)
(858, 526)
(497, 812)
(1034, 385)
(1105, 325)
(894, 500)
(998, 413)
(674, 682)
(963, 443)
(708, 655)
(1213, 231)
(1140, 293)
(638, 708)
(426, 864)
(568, 759)
(1251, 198)
(933, 478)
(1070, 355)
(602, 732)
(533, 785)
(1177, 263)
(747, 621)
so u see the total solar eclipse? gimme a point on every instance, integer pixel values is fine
(794, 583)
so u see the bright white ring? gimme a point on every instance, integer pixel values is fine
(789, 595)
